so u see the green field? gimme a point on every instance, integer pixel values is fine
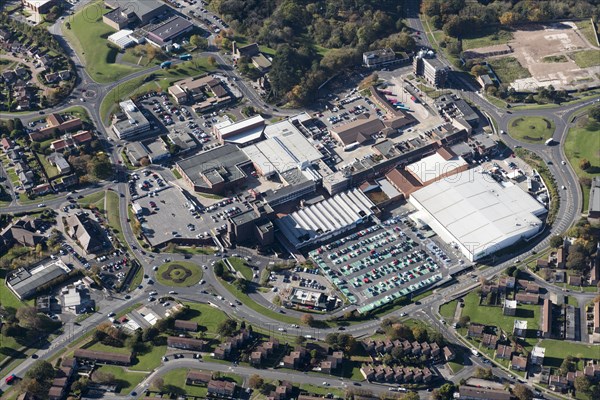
(175, 382)
(586, 58)
(493, 316)
(94, 199)
(88, 36)
(206, 316)
(179, 273)
(240, 265)
(149, 360)
(159, 80)
(586, 28)
(531, 129)
(557, 350)
(508, 69)
(127, 380)
(486, 37)
(583, 143)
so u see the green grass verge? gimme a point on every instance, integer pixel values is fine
(583, 143)
(555, 59)
(127, 380)
(175, 381)
(188, 275)
(94, 199)
(586, 28)
(88, 36)
(531, 129)
(240, 265)
(557, 350)
(193, 250)
(449, 309)
(490, 36)
(493, 315)
(322, 390)
(508, 69)
(112, 214)
(586, 58)
(149, 360)
(176, 173)
(207, 316)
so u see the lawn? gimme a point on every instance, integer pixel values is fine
(448, 310)
(194, 250)
(176, 380)
(486, 37)
(150, 360)
(531, 129)
(94, 199)
(587, 29)
(112, 211)
(176, 173)
(555, 59)
(109, 349)
(179, 273)
(127, 380)
(240, 265)
(493, 316)
(321, 390)
(206, 316)
(88, 36)
(583, 143)
(557, 350)
(508, 69)
(586, 58)
(161, 79)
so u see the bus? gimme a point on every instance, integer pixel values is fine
(185, 57)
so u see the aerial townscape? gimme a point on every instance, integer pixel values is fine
(300, 199)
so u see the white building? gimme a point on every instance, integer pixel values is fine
(478, 214)
(122, 38)
(134, 122)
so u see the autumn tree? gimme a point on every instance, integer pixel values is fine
(522, 392)
(582, 384)
(584, 164)
(307, 319)
(255, 381)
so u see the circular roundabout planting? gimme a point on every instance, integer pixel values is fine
(531, 129)
(179, 273)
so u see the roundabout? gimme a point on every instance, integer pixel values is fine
(179, 273)
(531, 129)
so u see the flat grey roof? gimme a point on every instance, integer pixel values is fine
(224, 158)
(23, 281)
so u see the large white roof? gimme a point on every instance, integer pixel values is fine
(477, 211)
(432, 167)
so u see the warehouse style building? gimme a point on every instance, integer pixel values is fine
(169, 30)
(24, 282)
(326, 219)
(478, 214)
(125, 12)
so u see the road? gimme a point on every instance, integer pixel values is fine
(571, 201)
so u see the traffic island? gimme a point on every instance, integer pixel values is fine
(531, 129)
(179, 273)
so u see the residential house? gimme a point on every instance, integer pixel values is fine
(221, 388)
(449, 354)
(518, 363)
(537, 355)
(558, 383)
(367, 372)
(489, 341)
(282, 392)
(104, 357)
(22, 231)
(546, 319)
(186, 343)
(592, 370)
(72, 141)
(475, 331)
(200, 378)
(520, 328)
(527, 298)
(52, 77)
(7, 144)
(510, 307)
(188, 326)
(575, 280)
(295, 358)
(88, 234)
(504, 351)
(561, 257)
(59, 162)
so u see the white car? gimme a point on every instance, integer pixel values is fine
(172, 292)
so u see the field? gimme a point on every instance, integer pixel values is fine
(149, 360)
(447, 310)
(586, 28)
(587, 58)
(175, 382)
(531, 129)
(127, 380)
(95, 199)
(487, 37)
(112, 211)
(88, 35)
(508, 69)
(179, 273)
(583, 143)
(493, 315)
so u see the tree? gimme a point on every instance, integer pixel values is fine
(103, 377)
(307, 319)
(582, 384)
(584, 164)
(80, 385)
(464, 320)
(68, 25)
(484, 373)
(479, 70)
(41, 370)
(556, 241)
(158, 383)
(445, 392)
(419, 333)
(255, 381)
(144, 161)
(522, 392)
(227, 327)
(199, 42)
(300, 340)
(218, 269)
(212, 61)
(595, 113)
